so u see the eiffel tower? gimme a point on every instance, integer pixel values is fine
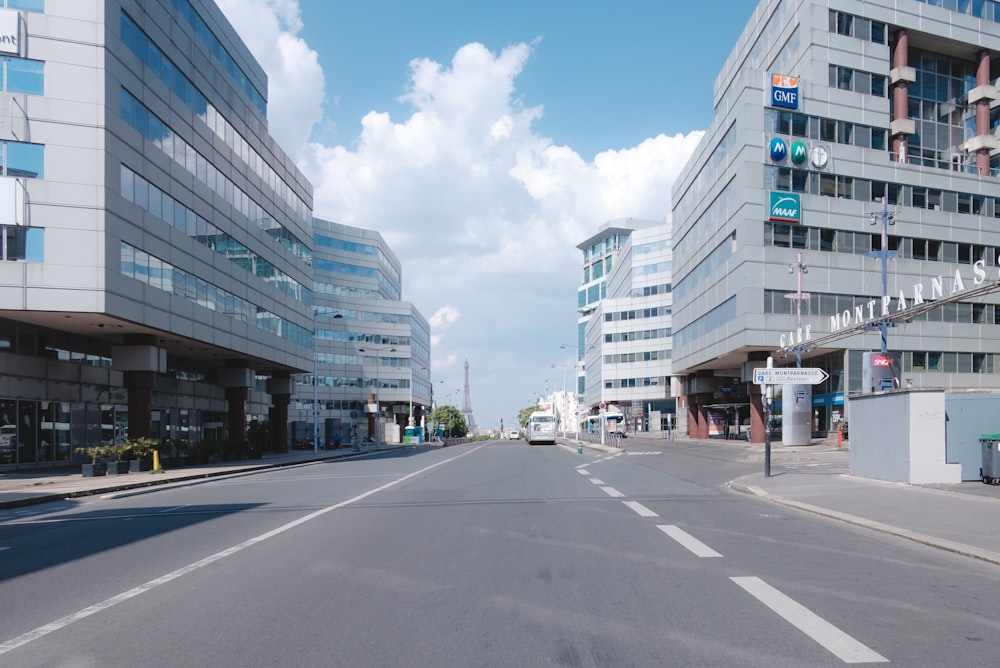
(470, 422)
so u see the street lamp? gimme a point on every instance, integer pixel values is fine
(378, 386)
(564, 400)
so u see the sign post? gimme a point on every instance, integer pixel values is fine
(768, 376)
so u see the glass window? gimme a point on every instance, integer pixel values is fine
(25, 160)
(24, 76)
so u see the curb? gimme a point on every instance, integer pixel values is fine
(930, 541)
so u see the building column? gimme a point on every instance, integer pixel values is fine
(237, 381)
(372, 415)
(982, 96)
(139, 360)
(900, 77)
(140, 386)
(280, 387)
(702, 428)
(757, 428)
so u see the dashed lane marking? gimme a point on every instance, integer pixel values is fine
(688, 541)
(841, 645)
(583, 471)
(597, 481)
(640, 509)
(611, 491)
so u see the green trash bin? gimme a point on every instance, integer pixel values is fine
(990, 444)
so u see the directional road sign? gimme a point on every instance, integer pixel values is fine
(804, 376)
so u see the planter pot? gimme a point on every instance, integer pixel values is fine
(117, 468)
(93, 470)
(140, 465)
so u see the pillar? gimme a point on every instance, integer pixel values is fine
(140, 386)
(900, 77)
(982, 96)
(237, 381)
(280, 386)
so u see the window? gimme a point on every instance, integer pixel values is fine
(24, 76)
(24, 160)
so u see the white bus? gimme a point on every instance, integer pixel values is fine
(541, 428)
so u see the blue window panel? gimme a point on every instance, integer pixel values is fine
(34, 244)
(25, 76)
(27, 160)
(28, 5)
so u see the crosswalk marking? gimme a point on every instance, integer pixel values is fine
(841, 645)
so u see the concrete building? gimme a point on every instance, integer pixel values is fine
(846, 135)
(155, 276)
(627, 337)
(372, 349)
(624, 327)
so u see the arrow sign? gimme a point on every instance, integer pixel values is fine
(795, 376)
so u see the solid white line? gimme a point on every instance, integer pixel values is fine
(597, 481)
(611, 491)
(843, 646)
(642, 510)
(58, 624)
(687, 540)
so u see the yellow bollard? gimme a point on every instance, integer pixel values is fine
(156, 461)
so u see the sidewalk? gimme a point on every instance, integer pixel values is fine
(33, 487)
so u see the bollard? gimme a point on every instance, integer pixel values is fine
(156, 461)
(840, 437)
(579, 447)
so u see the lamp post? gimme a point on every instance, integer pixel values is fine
(888, 218)
(378, 387)
(564, 399)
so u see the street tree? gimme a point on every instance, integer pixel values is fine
(454, 421)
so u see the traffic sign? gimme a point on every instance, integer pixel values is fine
(791, 375)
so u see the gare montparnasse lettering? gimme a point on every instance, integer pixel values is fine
(863, 313)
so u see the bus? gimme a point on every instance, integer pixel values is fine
(541, 428)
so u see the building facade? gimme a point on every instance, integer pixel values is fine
(372, 348)
(627, 337)
(845, 200)
(155, 277)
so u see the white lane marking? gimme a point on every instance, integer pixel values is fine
(62, 623)
(597, 481)
(642, 510)
(583, 471)
(841, 645)
(687, 540)
(611, 491)
(170, 510)
(4, 548)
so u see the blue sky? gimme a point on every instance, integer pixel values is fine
(484, 141)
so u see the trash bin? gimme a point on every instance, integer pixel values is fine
(991, 458)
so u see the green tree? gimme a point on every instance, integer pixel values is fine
(454, 421)
(525, 413)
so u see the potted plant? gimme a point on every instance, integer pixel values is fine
(141, 453)
(119, 453)
(96, 467)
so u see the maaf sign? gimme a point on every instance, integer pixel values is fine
(784, 91)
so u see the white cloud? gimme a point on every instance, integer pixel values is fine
(484, 213)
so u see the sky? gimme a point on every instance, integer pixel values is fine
(484, 141)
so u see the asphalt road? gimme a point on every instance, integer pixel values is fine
(500, 554)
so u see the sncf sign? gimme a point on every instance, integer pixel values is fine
(784, 207)
(784, 91)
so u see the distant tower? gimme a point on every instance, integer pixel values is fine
(470, 421)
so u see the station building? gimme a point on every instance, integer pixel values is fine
(372, 349)
(156, 275)
(846, 135)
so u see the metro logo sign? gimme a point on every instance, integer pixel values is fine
(784, 91)
(784, 207)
